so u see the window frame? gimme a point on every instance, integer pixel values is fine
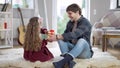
(23, 7)
(118, 3)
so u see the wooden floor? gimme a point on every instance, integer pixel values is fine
(113, 51)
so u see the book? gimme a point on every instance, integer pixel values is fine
(4, 7)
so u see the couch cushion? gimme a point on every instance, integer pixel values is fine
(112, 19)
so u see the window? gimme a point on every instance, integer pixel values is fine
(2, 1)
(5, 1)
(62, 18)
(118, 3)
(23, 4)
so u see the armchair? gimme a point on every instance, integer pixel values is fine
(109, 21)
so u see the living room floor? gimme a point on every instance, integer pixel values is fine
(18, 61)
(113, 51)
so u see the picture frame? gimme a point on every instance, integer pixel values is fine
(118, 3)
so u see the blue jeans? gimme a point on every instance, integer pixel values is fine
(80, 50)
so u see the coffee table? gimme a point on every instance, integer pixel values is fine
(114, 33)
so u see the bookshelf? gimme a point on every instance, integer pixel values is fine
(6, 28)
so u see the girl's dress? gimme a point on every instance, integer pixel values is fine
(42, 55)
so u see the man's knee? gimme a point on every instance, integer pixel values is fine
(60, 41)
(82, 40)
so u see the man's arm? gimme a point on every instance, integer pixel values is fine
(59, 37)
(82, 28)
(55, 38)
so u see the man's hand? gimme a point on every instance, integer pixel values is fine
(52, 38)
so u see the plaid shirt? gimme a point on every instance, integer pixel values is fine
(83, 30)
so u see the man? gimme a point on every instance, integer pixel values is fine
(75, 41)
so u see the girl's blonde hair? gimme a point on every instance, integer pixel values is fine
(33, 41)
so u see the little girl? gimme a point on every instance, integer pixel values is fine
(35, 46)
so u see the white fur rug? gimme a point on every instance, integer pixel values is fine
(13, 58)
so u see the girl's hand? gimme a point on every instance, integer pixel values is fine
(52, 38)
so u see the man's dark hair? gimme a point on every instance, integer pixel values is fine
(74, 8)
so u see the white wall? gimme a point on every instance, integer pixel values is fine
(97, 9)
(26, 13)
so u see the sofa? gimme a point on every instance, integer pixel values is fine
(109, 21)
